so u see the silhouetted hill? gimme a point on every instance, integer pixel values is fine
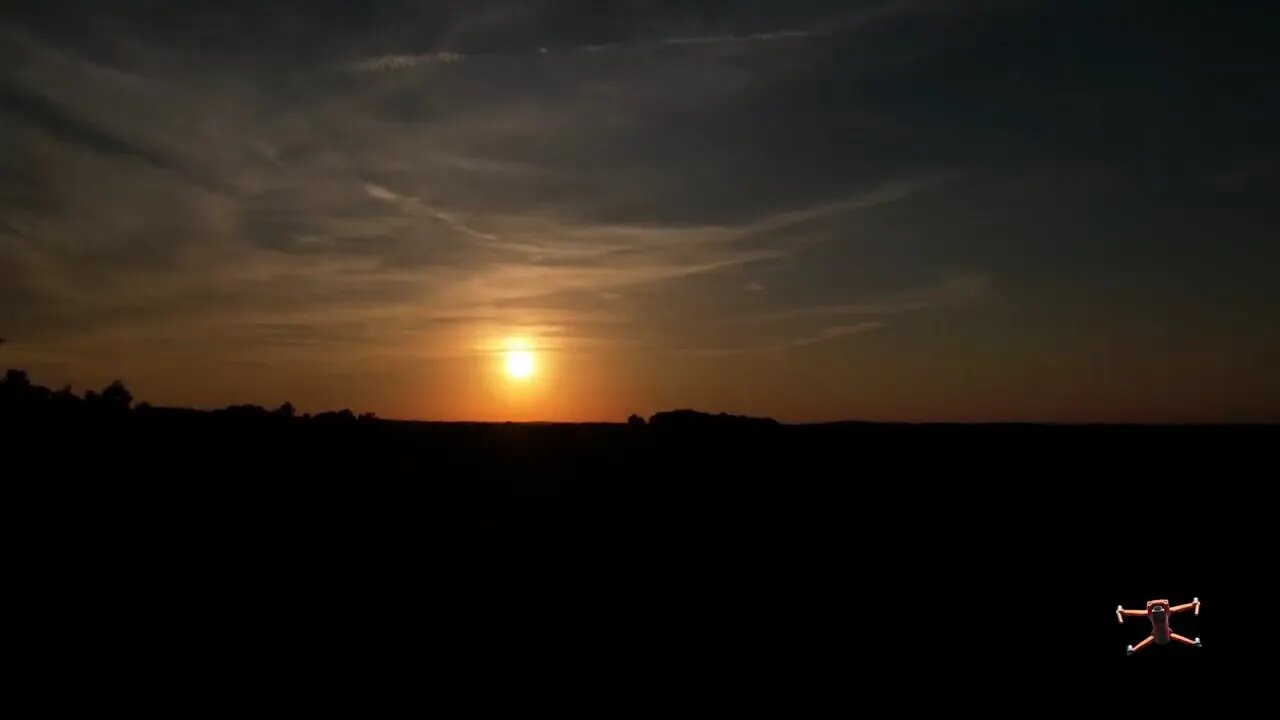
(694, 420)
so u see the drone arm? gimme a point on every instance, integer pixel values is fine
(1193, 605)
(1121, 613)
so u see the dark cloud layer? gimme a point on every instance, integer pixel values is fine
(840, 199)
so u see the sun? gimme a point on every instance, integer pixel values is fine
(519, 364)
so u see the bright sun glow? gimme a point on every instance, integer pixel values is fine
(519, 364)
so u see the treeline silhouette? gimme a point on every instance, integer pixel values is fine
(678, 475)
(19, 397)
(667, 479)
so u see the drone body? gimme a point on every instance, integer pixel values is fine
(1159, 611)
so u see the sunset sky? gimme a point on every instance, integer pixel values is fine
(890, 210)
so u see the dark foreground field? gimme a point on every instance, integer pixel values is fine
(834, 557)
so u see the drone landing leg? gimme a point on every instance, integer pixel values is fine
(1144, 643)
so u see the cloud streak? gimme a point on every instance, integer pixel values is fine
(842, 320)
(832, 26)
(385, 63)
(407, 61)
(953, 292)
(890, 192)
(448, 218)
(761, 37)
(828, 333)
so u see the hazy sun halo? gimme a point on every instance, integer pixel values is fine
(519, 364)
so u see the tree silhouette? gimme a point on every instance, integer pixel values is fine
(247, 411)
(636, 421)
(686, 419)
(15, 391)
(16, 381)
(286, 411)
(116, 397)
(65, 400)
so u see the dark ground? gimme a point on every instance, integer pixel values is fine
(771, 564)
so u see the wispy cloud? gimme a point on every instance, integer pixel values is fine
(842, 23)
(448, 218)
(888, 193)
(827, 333)
(952, 292)
(539, 238)
(759, 37)
(824, 334)
(380, 193)
(383, 63)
